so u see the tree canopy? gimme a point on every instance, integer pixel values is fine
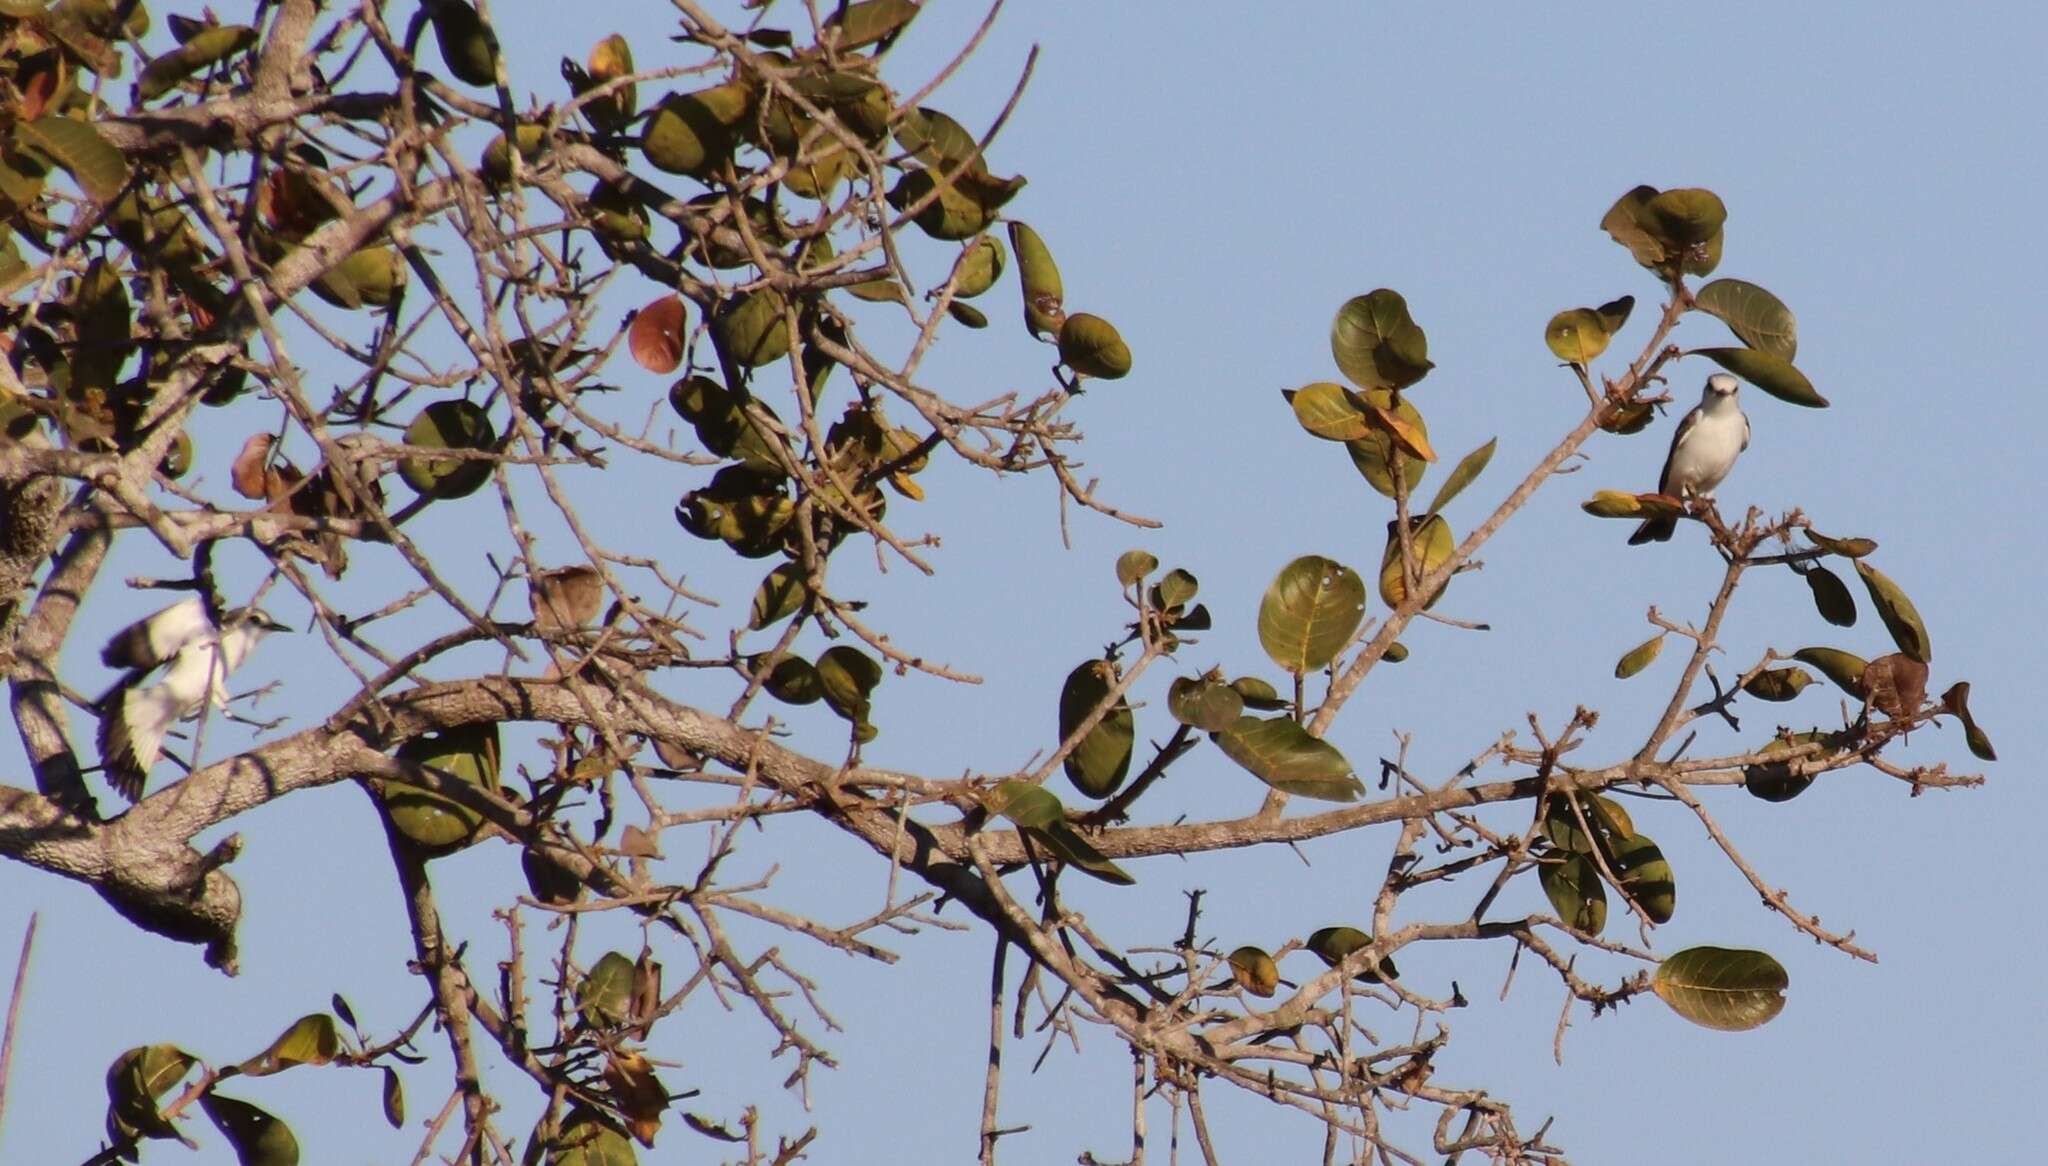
(468, 378)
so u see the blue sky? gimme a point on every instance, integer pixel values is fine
(1217, 185)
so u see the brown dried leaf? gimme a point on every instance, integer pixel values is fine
(1897, 684)
(656, 335)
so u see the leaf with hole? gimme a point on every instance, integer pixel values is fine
(1309, 612)
(1577, 336)
(1282, 754)
(436, 824)
(257, 1136)
(1572, 883)
(311, 1040)
(1645, 876)
(1730, 989)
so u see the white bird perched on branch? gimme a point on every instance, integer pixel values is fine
(135, 717)
(1703, 450)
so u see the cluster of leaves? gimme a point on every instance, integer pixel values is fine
(141, 1079)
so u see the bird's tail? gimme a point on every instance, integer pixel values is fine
(1654, 530)
(127, 750)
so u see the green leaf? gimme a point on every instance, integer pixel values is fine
(1686, 218)
(1627, 223)
(1309, 612)
(1614, 313)
(1609, 821)
(1174, 590)
(791, 680)
(1039, 816)
(1206, 704)
(1037, 275)
(134, 1082)
(1778, 684)
(1726, 988)
(980, 264)
(1024, 804)
(848, 676)
(465, 48)
(1433, 544)
(1957, 701)
(1258, 694)
(1574, 889)
(394, 1098)
(1772, 374)
(1844, 668)
(77, 149)
(1281, 753)
(1098, 765)
(588, 1139)
(1758, 318)
(1897, 611)
(781, 594)
(1831, 597)
(1254, 970)
(1639, 657)
(448, 425)
(604, 998)
(259, 1139)
(1850, 548)
(206, 47)
(1774, 781)
(1133, 566)
(1377, 344)
(751, 330)
(1577, 335)
(1468, 468)
(1091, 346)
(1067, 844)
(863, 23)
(1332, 944)
(1645, 877)
(434, 823)
(311, 1040)
(1326, 410)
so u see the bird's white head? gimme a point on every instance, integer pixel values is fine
(253, 618)
(1721, 385)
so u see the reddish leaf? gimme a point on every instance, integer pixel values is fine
(1897, 684)
(656, 336)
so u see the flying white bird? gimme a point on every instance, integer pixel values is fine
(134, 717)
(1704, 449)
